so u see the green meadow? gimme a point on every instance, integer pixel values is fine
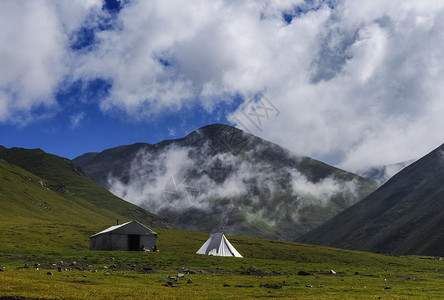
(282, 270)
(47, 218)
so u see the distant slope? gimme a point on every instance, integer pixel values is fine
(404, 216)
(62, 178)
(219, 178)
(381, 174)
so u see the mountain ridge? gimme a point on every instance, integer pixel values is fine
(232, 181)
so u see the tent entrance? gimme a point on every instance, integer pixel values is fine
(133, 242)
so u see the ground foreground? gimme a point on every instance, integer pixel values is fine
(281, 270)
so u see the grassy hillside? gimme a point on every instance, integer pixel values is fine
(61, 176)
(37, 216)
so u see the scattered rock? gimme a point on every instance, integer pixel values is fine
(189, 281)
(271, 286)
(59, 269)
(308, 285)
(169, 284)
(226, 285)
(388, 288)
(49, 273)
(303, 273)
(332, 272)
(180, 275)
(73, 263)
(252, 270)
(1, 270)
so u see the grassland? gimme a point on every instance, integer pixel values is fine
(104, 275)
(44, 230)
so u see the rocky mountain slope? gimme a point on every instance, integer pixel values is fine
(219, 178)
(404, 216)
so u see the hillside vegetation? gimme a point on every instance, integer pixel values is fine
(59, 175)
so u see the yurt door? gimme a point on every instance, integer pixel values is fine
(133, 242)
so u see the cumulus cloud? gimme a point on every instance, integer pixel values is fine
(34, 55)
(355, 81)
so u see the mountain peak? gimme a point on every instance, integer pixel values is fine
(221, 177)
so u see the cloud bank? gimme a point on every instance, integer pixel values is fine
(233, 191)
(356, 82)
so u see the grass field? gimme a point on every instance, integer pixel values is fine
(126, 275)
(44, 230)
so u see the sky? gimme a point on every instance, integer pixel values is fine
(351, 83)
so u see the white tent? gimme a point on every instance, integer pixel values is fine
(218, 245)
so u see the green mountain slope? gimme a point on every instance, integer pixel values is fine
(61, 176)
(35, 217)
(404, 216)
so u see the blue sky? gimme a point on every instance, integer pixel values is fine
(352, 83)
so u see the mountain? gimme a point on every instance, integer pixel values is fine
(380, 174)
(219, 178)
(40, 187)
(404, 216)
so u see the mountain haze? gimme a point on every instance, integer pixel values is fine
(381, 174)
(404, 216)
(219, 178)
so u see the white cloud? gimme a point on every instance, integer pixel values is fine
(34, 56)
(76, 119)
(360, 82)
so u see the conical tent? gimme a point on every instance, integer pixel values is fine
(218, 245)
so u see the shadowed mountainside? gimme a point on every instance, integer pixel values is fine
(404, 216)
